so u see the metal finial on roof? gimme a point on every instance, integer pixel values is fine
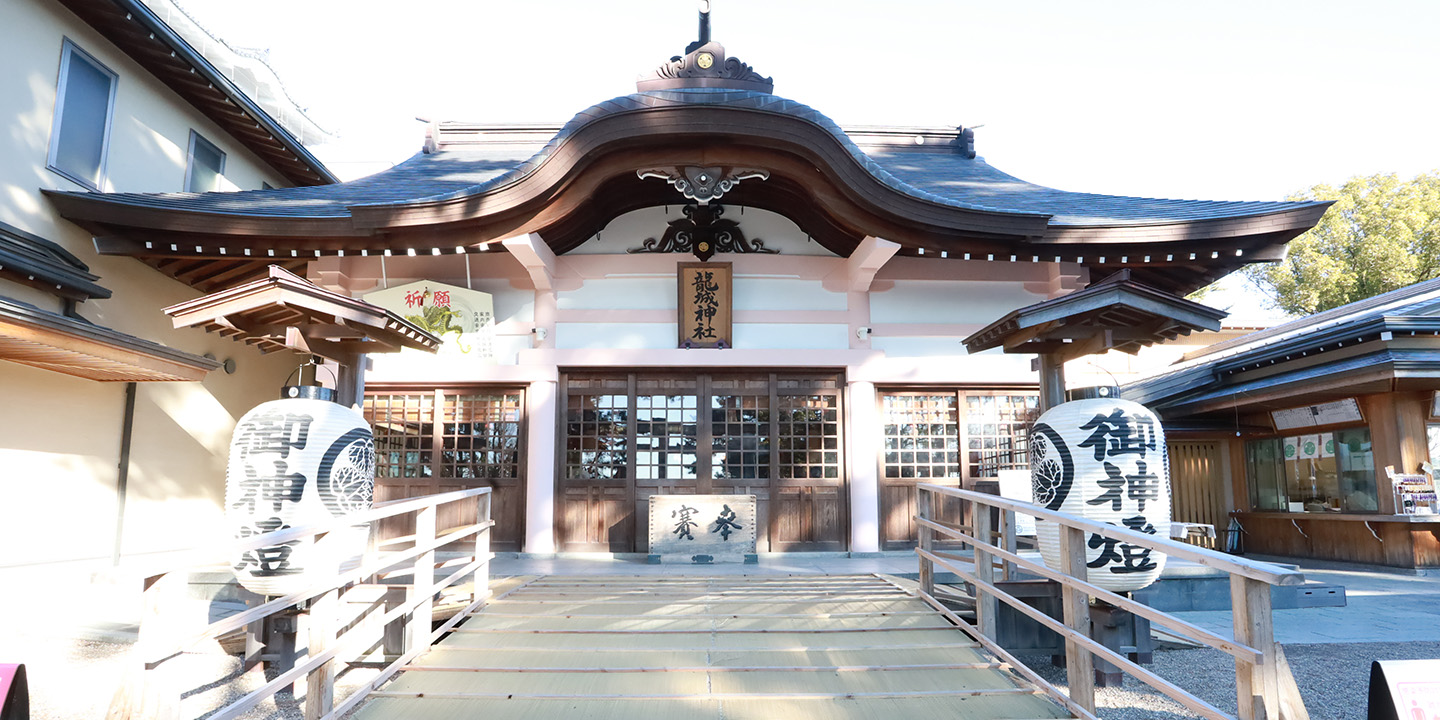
(704, 27)
(705, 65)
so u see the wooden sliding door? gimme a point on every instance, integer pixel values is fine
(435, 440)
(629, 436)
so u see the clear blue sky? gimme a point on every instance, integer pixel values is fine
(1220, 99)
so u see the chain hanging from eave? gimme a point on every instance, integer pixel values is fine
(703, 232)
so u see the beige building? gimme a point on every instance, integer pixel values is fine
(114, 427)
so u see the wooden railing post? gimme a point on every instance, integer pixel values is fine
(1257, 687)
(924, 509)
(986, 605)
(482, 549)
(422, 617)
(1007, 542)
(320, 682)
(143, 693)
(1079, 663)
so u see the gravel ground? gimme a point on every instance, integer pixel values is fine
(1334, 679)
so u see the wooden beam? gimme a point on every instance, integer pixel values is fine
(858, 271)
(537, 257)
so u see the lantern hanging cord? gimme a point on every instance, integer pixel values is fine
(314, 360)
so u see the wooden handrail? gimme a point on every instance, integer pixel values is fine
(1195, 632)
(1264, 572)
(328, 644)
(1257, 676)
(208, 554)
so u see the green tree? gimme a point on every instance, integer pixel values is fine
(1381, 234)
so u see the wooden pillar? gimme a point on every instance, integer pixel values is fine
(987, 606)
(481, 580)
(320, 682)
(422, 616)
(925, 509)
(540, 470)
(1052, 381)
(864, 446)
(1079, 663)
(1257, 687)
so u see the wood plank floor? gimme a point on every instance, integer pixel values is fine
(702, 648)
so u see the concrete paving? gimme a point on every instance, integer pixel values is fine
(1383, 605)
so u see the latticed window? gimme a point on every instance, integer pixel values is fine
(996, 430)
(740, 437)
(597, 428)
(446, 434)
(665, 437)
(809, 436)
(480, 436)
(403, 426)
(955, 434)
(921, 436)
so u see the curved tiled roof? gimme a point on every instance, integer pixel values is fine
(947, 177)
(975, 182)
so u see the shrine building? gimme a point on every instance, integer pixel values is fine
(701, 287)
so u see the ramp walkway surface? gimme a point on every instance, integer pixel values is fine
(732, 647)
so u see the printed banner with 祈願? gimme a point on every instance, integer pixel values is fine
(464, 319)
(704, 305)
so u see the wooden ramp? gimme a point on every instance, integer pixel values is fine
(633, 648)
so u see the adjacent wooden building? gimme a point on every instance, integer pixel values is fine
(1316, 435)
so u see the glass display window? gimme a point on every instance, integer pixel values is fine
(1314, 472)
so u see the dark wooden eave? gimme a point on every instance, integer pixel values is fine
(1116, 313)
(31, 260)
(143, 36)
(69, 345)
(286, 312)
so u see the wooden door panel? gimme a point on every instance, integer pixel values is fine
(808, 519)
(722, 433)
(436, 440)
(595, 519)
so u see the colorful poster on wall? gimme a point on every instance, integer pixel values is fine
(704, 305)
(463, 318)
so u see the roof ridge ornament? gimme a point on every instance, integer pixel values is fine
(705, 65)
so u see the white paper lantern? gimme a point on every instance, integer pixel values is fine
(1103, 459)
(298, 461)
